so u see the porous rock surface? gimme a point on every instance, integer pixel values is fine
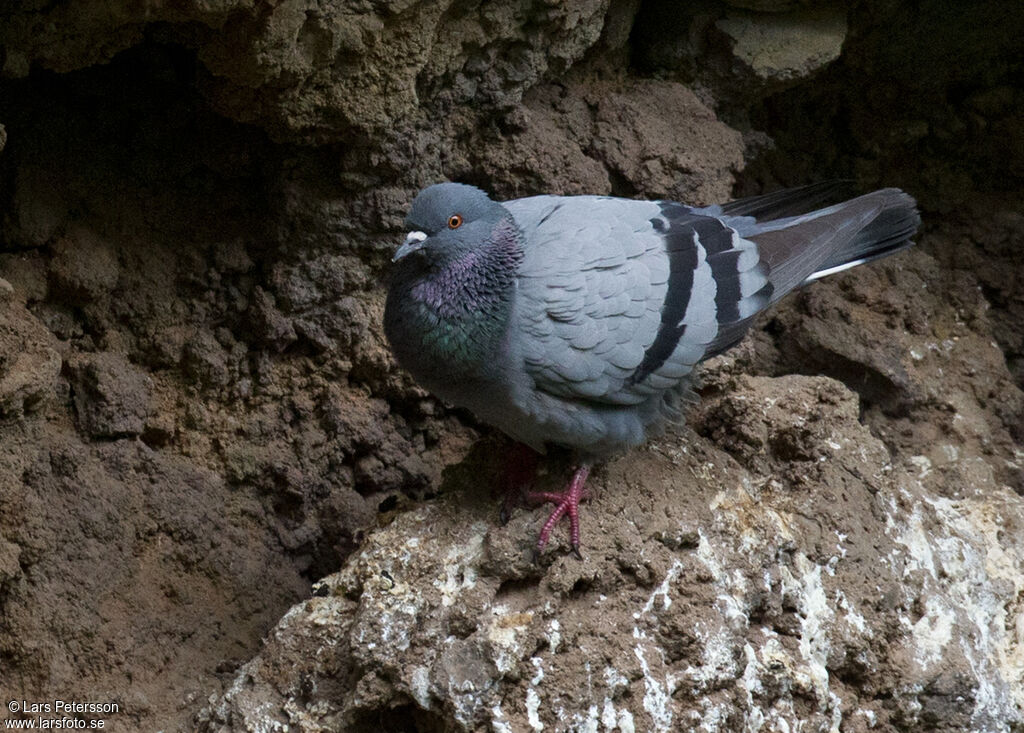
(776, 566)
(223, 506)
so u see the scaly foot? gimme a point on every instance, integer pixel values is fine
(567, 502)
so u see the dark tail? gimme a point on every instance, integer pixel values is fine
(804, 248)
(888, 233)
(791, 201)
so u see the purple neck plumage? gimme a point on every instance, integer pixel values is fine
(448, 320)
(476, 282)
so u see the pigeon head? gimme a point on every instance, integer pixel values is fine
(449, 220)
(452, 285)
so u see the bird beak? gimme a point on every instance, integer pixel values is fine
(413, 241)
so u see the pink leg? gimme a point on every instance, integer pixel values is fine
(568, 502)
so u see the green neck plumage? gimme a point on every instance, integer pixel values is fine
(452, 321)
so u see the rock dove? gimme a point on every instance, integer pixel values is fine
(576, 320)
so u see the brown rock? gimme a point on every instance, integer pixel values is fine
(29, 362)
(151, 571)
(112, 397)
(40, 208)
(314, 71)
(811, 568)
(660, 141)
(779, 49)
(9, 566)
(83, 268)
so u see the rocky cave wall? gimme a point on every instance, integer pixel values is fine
(199, 419)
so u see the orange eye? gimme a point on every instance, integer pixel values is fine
(455, 221)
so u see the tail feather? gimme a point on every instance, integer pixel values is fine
(876, 254)
(888, 233)
(790, 201)
(801, 249)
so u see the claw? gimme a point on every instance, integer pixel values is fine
(566, 503)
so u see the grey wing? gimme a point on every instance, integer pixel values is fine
(619, 299)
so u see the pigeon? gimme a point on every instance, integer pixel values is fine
(577, 321)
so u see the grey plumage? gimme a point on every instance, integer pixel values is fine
(577, 320)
